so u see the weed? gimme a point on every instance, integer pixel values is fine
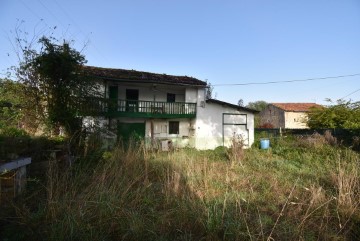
(236, 151)
(299, 190)
(347, 183)
(330, 139)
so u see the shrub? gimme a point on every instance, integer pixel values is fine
(356, 143)
(13, 132)
(315, 140)
(330, 139)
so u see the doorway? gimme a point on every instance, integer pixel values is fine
(132, 100)
(127, 131)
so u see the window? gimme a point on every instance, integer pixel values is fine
(173, 127)
(170, 97)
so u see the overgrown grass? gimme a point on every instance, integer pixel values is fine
(293, 191)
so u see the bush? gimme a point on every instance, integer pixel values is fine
(317, 140)
(13, 132)
(37, 148)
(330, 139)
(356, 143)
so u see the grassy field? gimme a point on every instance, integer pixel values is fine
(300, 189)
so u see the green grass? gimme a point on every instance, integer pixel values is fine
(296, 190)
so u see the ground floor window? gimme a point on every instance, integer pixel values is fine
(173, 127)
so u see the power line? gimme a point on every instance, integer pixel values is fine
(30, 10)
(86, 36)
(58, 20)
(289, 81)
(51, 13)
(69, 17)
(350, 94)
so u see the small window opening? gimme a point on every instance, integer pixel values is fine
(173, 127)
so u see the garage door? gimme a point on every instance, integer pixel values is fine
(235, 125)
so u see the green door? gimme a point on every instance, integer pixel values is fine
(131, 130)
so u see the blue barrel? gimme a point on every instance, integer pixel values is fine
(264, 144)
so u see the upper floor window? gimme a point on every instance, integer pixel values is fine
(170, 97)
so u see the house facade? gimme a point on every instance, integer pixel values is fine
(286, 115)
(166, 109)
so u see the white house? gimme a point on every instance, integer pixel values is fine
(163, 108)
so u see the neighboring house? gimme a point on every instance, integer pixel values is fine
(163, 108)
(286, 115)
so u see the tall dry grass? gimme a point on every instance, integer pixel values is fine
(236, 151)
(128, 195)
(290, 192)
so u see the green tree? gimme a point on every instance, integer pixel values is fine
(257, 105)
(10, 104)
(54, 78)
(343, 115)
(16, 109)
(209, 91)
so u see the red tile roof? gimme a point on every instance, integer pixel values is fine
(140, 76)
(296, 107)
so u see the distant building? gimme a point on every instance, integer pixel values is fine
(286, 115)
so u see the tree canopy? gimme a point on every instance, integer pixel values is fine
(209, 91)
(257, 105)
(241, 102)
(343, 115)
(53, 77)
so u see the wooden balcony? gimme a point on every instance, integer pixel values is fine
(138, 108)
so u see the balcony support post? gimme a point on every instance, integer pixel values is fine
(152, 132)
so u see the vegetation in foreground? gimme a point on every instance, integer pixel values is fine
(300, 189)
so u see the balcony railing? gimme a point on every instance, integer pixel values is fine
(138, 108)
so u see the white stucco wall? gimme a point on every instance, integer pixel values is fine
(200, 95)
(191, 95)
(295, 120)
(209, 126)
(151, 93)
(161, 131)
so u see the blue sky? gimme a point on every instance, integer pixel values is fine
(223, 42)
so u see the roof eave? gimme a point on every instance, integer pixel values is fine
(233, 106)
(145, 81)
